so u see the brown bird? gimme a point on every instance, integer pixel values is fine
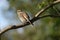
(23, 16)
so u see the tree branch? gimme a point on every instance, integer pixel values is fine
(32, 20)
(45, 8)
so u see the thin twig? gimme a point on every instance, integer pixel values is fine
(56, 10)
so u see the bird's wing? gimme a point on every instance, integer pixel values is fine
(26, 16)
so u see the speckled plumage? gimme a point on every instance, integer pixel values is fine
(23, 16)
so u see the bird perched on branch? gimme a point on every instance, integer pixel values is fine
(23, 16)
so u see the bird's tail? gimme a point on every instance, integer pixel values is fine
(30, 23)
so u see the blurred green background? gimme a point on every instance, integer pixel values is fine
(47, 28)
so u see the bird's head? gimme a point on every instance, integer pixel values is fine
(18, 10)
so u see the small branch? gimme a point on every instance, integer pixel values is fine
(32, 20)
(54, 16)
(45, 8)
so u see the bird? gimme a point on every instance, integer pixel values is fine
(23, 16)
